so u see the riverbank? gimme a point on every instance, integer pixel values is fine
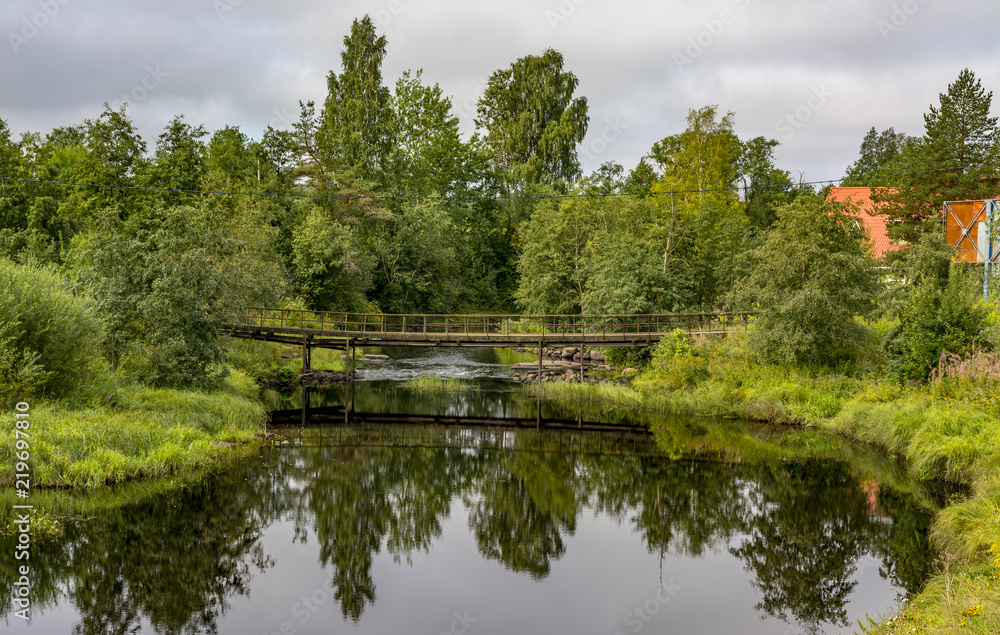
(937, 431)
(137, 433)
(947, 430)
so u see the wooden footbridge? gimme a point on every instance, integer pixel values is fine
(344, 331)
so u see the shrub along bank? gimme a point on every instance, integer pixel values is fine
(91, 426)
(944, 429)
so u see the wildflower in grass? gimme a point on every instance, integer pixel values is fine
(995, 550)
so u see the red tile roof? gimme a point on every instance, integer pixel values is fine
(872, 222)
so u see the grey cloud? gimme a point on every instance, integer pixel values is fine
(249, 62)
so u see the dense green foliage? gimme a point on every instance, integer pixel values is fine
(50, 340)
(328, 266)
(532, 123)
(355, 134)
(938, 318)
(374, 201)
(167, 279)
(937, 307)
(662, 253)
(809, 278)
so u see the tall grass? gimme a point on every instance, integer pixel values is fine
(434, 384)
(973, 377)
(53, 506)
(327, 359)
(256, 359)
(145, 432)
(957, 599)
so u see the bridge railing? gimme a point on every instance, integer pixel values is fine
(489, 325)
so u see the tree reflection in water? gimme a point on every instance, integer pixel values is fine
(806, 525)
(522, 508)
(175, 560)
(800, 528)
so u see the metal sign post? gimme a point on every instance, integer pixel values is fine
(991, 254)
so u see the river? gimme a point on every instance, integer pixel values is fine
(481, 511)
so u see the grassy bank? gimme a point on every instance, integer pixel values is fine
(142, 432)
(945, 430)
(101, 451)
(434, 384)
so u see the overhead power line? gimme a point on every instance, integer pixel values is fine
(400, 197)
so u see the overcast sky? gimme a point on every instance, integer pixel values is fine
(813, 74)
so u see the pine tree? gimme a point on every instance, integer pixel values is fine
(354, 135)
(956, 158)
(879, 155)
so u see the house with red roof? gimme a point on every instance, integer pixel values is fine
(868, 217)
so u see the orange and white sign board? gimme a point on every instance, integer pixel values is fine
(965, 225)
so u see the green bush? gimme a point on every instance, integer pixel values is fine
(677, 345)
(284, 374)
(809, 278)
(256, 359)
(677, 363)
(935, 320)
(625, 356)
(50, 339)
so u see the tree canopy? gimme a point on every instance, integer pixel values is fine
(954, 160)
(809, 278)
(376, 201)
(531, 123)
(355, 133)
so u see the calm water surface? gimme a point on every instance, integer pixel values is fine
(386, 528)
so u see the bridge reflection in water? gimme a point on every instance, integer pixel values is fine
(340, 427)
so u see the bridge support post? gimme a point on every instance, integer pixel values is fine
(348, 354)
(541, 344)
(581, 363)
(348, 350)
(306, 363)
(348, 404)
(305, 405)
